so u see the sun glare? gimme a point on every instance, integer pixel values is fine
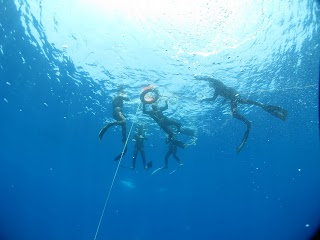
(175, 11)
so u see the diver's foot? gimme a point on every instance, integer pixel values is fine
(149, 165)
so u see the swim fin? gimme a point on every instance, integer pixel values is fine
(180, 165)
(276, 111)
(149, 165)
(117, 158)
(244, 139)
(157, 170)
(103, 131)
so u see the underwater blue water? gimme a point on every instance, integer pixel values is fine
(60, 64)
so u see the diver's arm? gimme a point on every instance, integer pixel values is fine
(144, 110)
(165, 107)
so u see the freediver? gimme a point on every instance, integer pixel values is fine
(164, 122)
(117, 105)
(173, 145)
(139, 138)
(234, 97)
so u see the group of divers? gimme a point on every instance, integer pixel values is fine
(149, 97)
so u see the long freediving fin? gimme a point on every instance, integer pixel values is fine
(244, 139)
(117, 158)
(180, 165)
(276, 111)
(157, 170)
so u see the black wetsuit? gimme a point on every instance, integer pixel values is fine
(138, 147)
(117, 105)
(235, 99)
(172, 150)
(164, 122)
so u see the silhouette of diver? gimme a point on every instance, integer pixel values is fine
(117, 105)
(139, 138)
(172, 150)
(235, 99)
(164, 122)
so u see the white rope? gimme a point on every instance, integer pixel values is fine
(114, 177)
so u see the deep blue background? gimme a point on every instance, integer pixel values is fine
(55, 175)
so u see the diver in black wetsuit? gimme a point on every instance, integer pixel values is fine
(139, 138)
(117, 105)
(172, 150)
(235, 99)
(164, 122)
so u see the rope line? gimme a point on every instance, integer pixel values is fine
(114, 177)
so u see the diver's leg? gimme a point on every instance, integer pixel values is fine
(167, 130)
(274, 110)
(236, 115)
(239, 116)
(166, 158)
(124, 132)
(122, 121)
(134, 157)
(250, 102)
(174, 154)
(143, 156)
(177, 158)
